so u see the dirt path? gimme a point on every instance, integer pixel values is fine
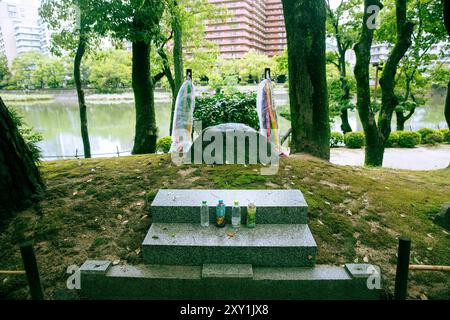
(423, 158)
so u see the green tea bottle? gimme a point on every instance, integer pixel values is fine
(251, 215)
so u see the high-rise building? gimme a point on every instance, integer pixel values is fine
(21, 28)
(254, 25)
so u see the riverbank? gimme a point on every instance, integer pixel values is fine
(99, 209)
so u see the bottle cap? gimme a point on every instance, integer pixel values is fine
(204, 202)
(220, 201)
(236, 203)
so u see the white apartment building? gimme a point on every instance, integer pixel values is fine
(21, 28)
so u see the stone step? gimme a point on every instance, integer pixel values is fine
(273, 206)
(102, 280)
(267, 245)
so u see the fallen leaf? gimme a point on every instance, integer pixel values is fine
(429, 235)
(116, 262)
(423, 297)
(125, 222)
(119, 217)
(320, 222)
(155, 238)
(231, 234)
(75, 193)
(366, 259)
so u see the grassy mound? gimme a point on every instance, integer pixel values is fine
(99, 209)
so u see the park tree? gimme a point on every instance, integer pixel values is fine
(137, 21)
(4, 70)
(342, 26)
(252, 65)
(110, 70)
(446, 7)
(377, 132)
(305, 27)
(20, 181)
(183, 25)
(73, 22)
(428, 32)
(26, 70)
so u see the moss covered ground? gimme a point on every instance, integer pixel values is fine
(99, 209)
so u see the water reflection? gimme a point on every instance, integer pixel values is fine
(111, 124)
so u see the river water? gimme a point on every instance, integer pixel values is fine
(111, 122)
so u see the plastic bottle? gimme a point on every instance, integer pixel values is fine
(236, 215)
(251, 215)
(204, 214)
(221, 210)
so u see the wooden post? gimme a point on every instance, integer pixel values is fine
(267, 74)
(401, 279)
(189, 74)
(31, 269)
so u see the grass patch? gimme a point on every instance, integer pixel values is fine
(100, 209)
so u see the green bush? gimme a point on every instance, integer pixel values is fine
(164, 144)
(222, 108)
(354, 140)
(337, 139)
(393, 140)
(446, 135)
(407, 139)
(424, 132)
(435, 137)
(31, 137)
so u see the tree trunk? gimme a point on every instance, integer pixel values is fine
(81, 50)
(401, 120)
(20, 181)
(345, 126)
(177, 62)
(143, 87)
(387, 82)
(305, 27)
(447, 106)
(374, 143)
(447, 26)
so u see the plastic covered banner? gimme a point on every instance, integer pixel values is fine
(183, 118)
(267, 112)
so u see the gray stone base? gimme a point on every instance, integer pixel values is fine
(100, 280)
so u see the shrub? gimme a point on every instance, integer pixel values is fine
(435, 137)
(407, 139)
(393, 140)
(164, 144)
(337, 139)
(31, 137)
(424, 132)
(354, 140)
(447, 136)
(222, 108)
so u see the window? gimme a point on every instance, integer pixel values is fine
(12, 11)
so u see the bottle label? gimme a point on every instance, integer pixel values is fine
(220, 215)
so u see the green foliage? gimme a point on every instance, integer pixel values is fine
(217, 109)
(355, 140)
(440, 76)
(424, 132)
(31, 137)
(4, 70)
(407, 139)
(393, 140)
(336, 140)
(433, 138)
(111, 70)
(33, 70)
(163, 145)
(446, 135)
(281, 63)
(253, 64)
